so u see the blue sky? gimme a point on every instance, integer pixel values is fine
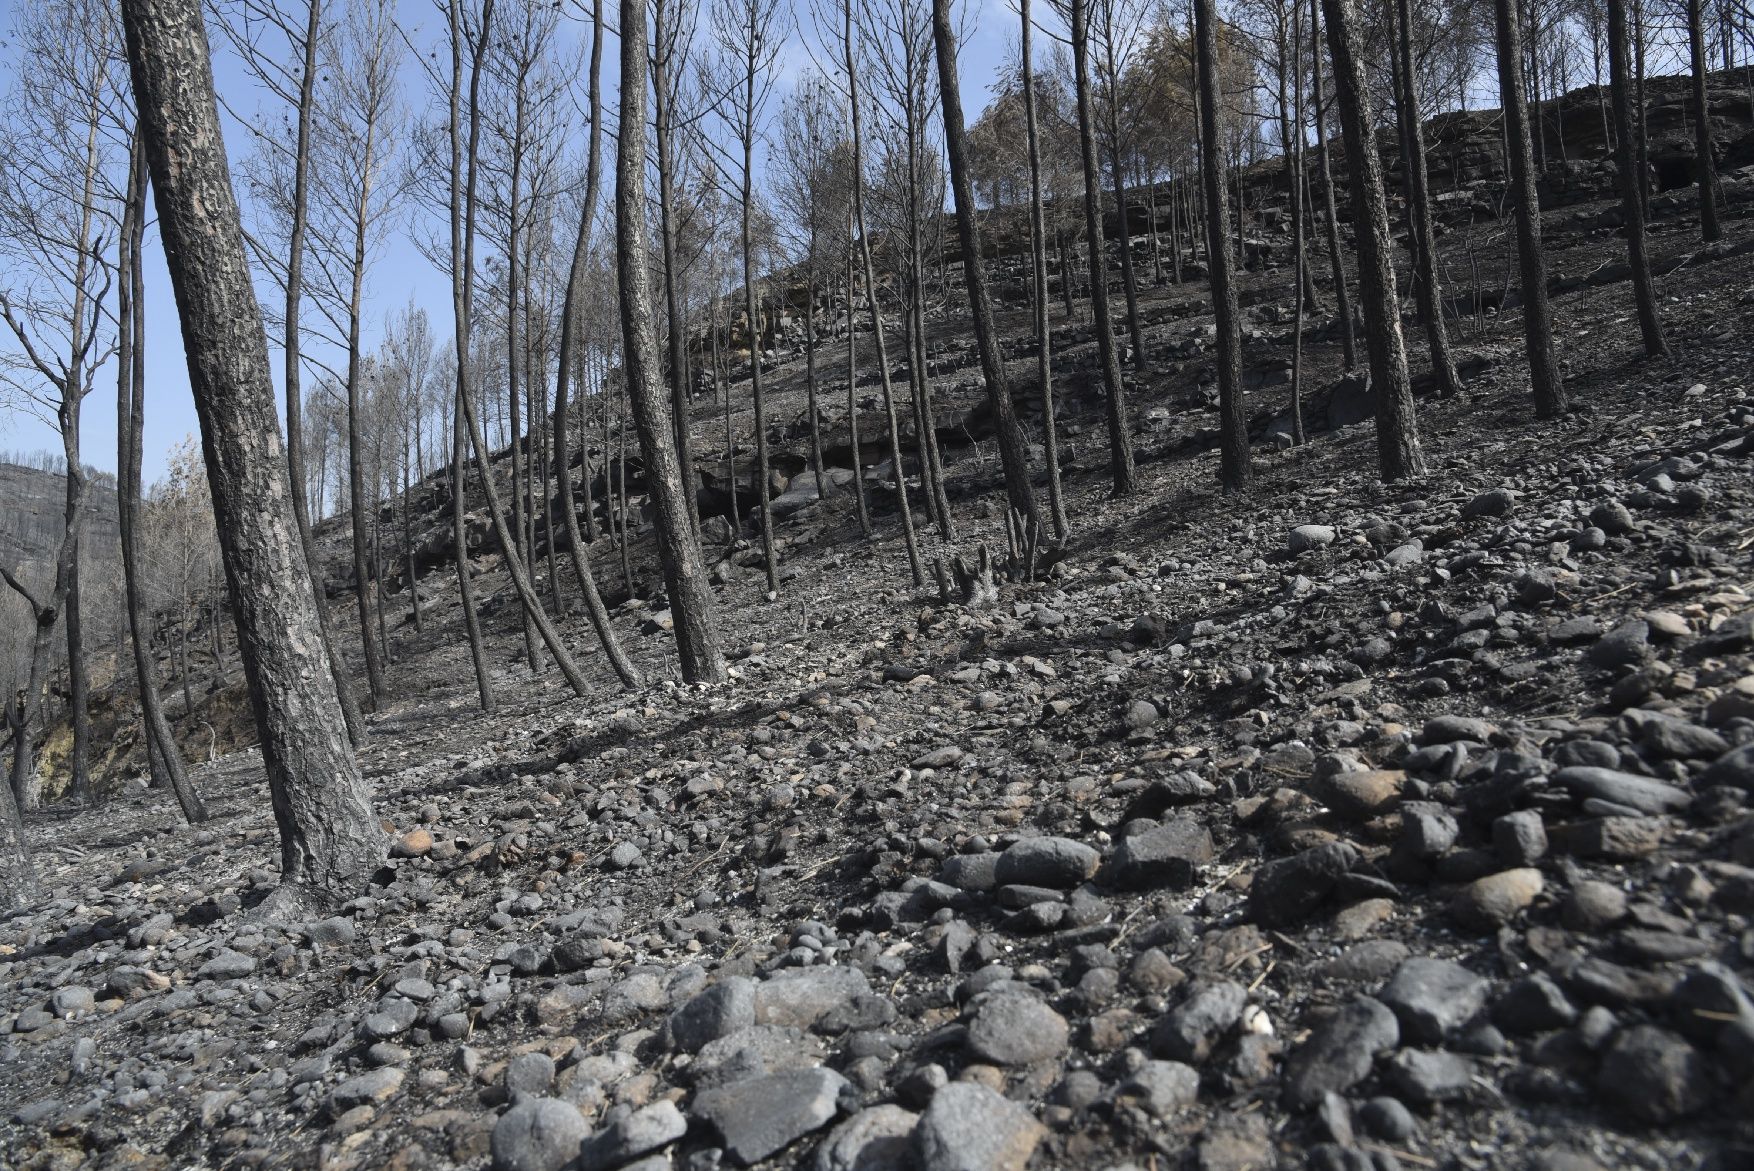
(399, 273)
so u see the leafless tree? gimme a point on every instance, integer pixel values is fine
(1399, 454)
(330, 840)
(691, 608)
(61, 192)
(748, 35)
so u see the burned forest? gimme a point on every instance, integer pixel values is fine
(906, 586)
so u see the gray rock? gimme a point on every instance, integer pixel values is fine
(71, 1000)
(1533, 1004)
(1289, 890)
(969, 1127)
(366, 1089)
(879, 1138)
(1627, 645)
(1668, 738)
(227, 965)
(1190, 1030)
(1169, 855)
(717, 1012)
(1735, 767)
(753, 1052)
(1056, 863)
(1490, 902)
(1449, 729)
(970, 872)
(1520, 838)
(1426, 1076)
(540, 1134)
(1634, 792)
(799, 997)
(1494, 502)
(1164, 1087)
(762, 1116)
(1654, 1075)
(1306, 537)
(1015, 1028)
(624, 856)
(1340, 1052)
(529, 1073)
(1431, 998)
(650, 1128)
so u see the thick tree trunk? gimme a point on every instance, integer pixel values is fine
(691, 606)
(1234, 471)
(1013, 451)
(571, 312)
(1120, 437)
(1544, 377)
(1631, 179)
(330, 840)
(1397, 433)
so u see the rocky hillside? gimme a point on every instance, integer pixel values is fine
(1345, 826)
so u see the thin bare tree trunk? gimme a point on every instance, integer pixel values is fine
(870, 271)
(1039, 271)
(1013, 451)
(130, 427)
(330, 841)
(1342, 295)
(1235, 473)
(691, 607)
(1397, 433)
(1631, 177)
(462, 206)
(1705, 161)
(570, 313)
(1544, 377)
(864, 507)
(1427, 287)
(1120, 437)
(1117, 179)
(663, 102)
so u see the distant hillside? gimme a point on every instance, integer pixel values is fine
(31, 520)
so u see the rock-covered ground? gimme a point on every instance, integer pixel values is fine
(1347, 826)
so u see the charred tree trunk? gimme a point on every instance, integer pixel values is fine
(1631, 178)
(1705, 160)
(1544, 377)
(691, 608)
(1427, 287)
(1013, 451)
(462, 204)
(1397, 433)
(1039, 272)
(1233, 437)
(849, 45)
(130, 427)
(570, 313)
(1336, 262)
(663, 98)
(330, 841)
(1120, 437)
